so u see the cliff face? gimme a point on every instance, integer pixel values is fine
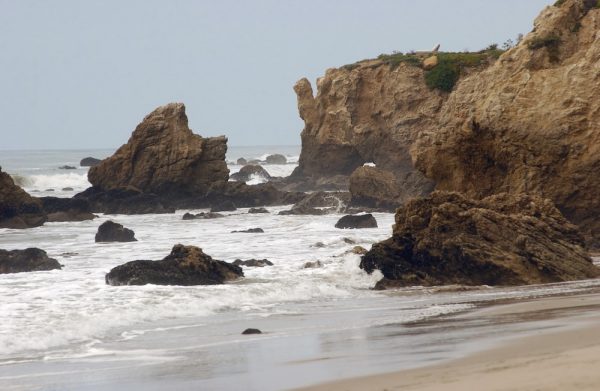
(163, 155)
(371, 113)
(531, 122)
(528, 123)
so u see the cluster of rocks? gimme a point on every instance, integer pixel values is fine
(276, 158)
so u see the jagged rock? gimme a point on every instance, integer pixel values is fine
(250, 231)
(89, 162)
(375, 188)
(312, 265)
(67, 168)
(242, 162)
(529, 123)
(123, 201)
(251, 331)
(357, 221)
(164, 157)
(113, 232)
(247, 172)
(17, 208)
(253, 262)
(202, 215)
(28, 260)
(186, 265)
(258, 210)
(67, 209)
(276, 159)
(225, 206)
(501, 240)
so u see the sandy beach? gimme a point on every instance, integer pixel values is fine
(566, 359)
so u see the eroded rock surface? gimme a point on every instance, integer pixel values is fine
(504, 239)
(186, 265)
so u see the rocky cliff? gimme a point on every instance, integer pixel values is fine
(164, 156)
(528, 122)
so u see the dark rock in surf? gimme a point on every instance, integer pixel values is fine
(242, 162)
(253, 262)
(113, 232)
(186, 265)
(225, 206)
(67, 209)
(357, 222)
(28, 260)
(247, 172)
(89, 162)
(17, 208)
(202, 216)
(123, 201)
(67, 168)
(250, 231)
(276, 159)
(67, 189)
(313, 265)
(257, 210)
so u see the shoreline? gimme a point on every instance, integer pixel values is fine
(557, 358)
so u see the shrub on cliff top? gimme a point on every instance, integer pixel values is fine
(444, 76)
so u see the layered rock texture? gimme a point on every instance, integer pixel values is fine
(527, 123)
(28, 260)
(17, 208)
(186, 265)
(163, 156)
(500, 240)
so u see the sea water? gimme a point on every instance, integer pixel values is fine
(67, 329)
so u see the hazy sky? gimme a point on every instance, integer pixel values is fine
(82, 74)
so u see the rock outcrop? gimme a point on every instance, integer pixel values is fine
(67, 209)
(247, 173)
(372, 112)
(28, 260)
(186, 265)
(357, 221)
(124, 201)
(202, 216)
(253, 262)
(89, 162)
(501, 240)
(17, 208)
(163, 156)
(276, 158)
(110, 231)
(529, 123)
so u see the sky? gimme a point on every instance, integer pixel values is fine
(82, 74)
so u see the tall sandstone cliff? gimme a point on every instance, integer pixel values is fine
(528, 123)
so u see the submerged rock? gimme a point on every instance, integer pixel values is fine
(113, 232)
(501, 240)
(357, 221)
(17, 208)
(251, 331)
(247, 172)
(250, 231)
(253, 262)
(202, 215)
(312, 265)
(186, 265)
(242, 162)
(28, 260)
(67, 168)
(258, 210)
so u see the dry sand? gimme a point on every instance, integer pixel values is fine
(561, 361)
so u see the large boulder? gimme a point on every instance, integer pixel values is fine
(163, 156)
(186, 265)
(17, 208)
(501, 240)
(357, 221)
(67, 209)
(110, 231)
(28, 260)
(276, 159)
(247, 173)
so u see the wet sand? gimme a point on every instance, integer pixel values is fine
(563, 358)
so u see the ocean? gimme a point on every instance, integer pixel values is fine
(67, 330)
